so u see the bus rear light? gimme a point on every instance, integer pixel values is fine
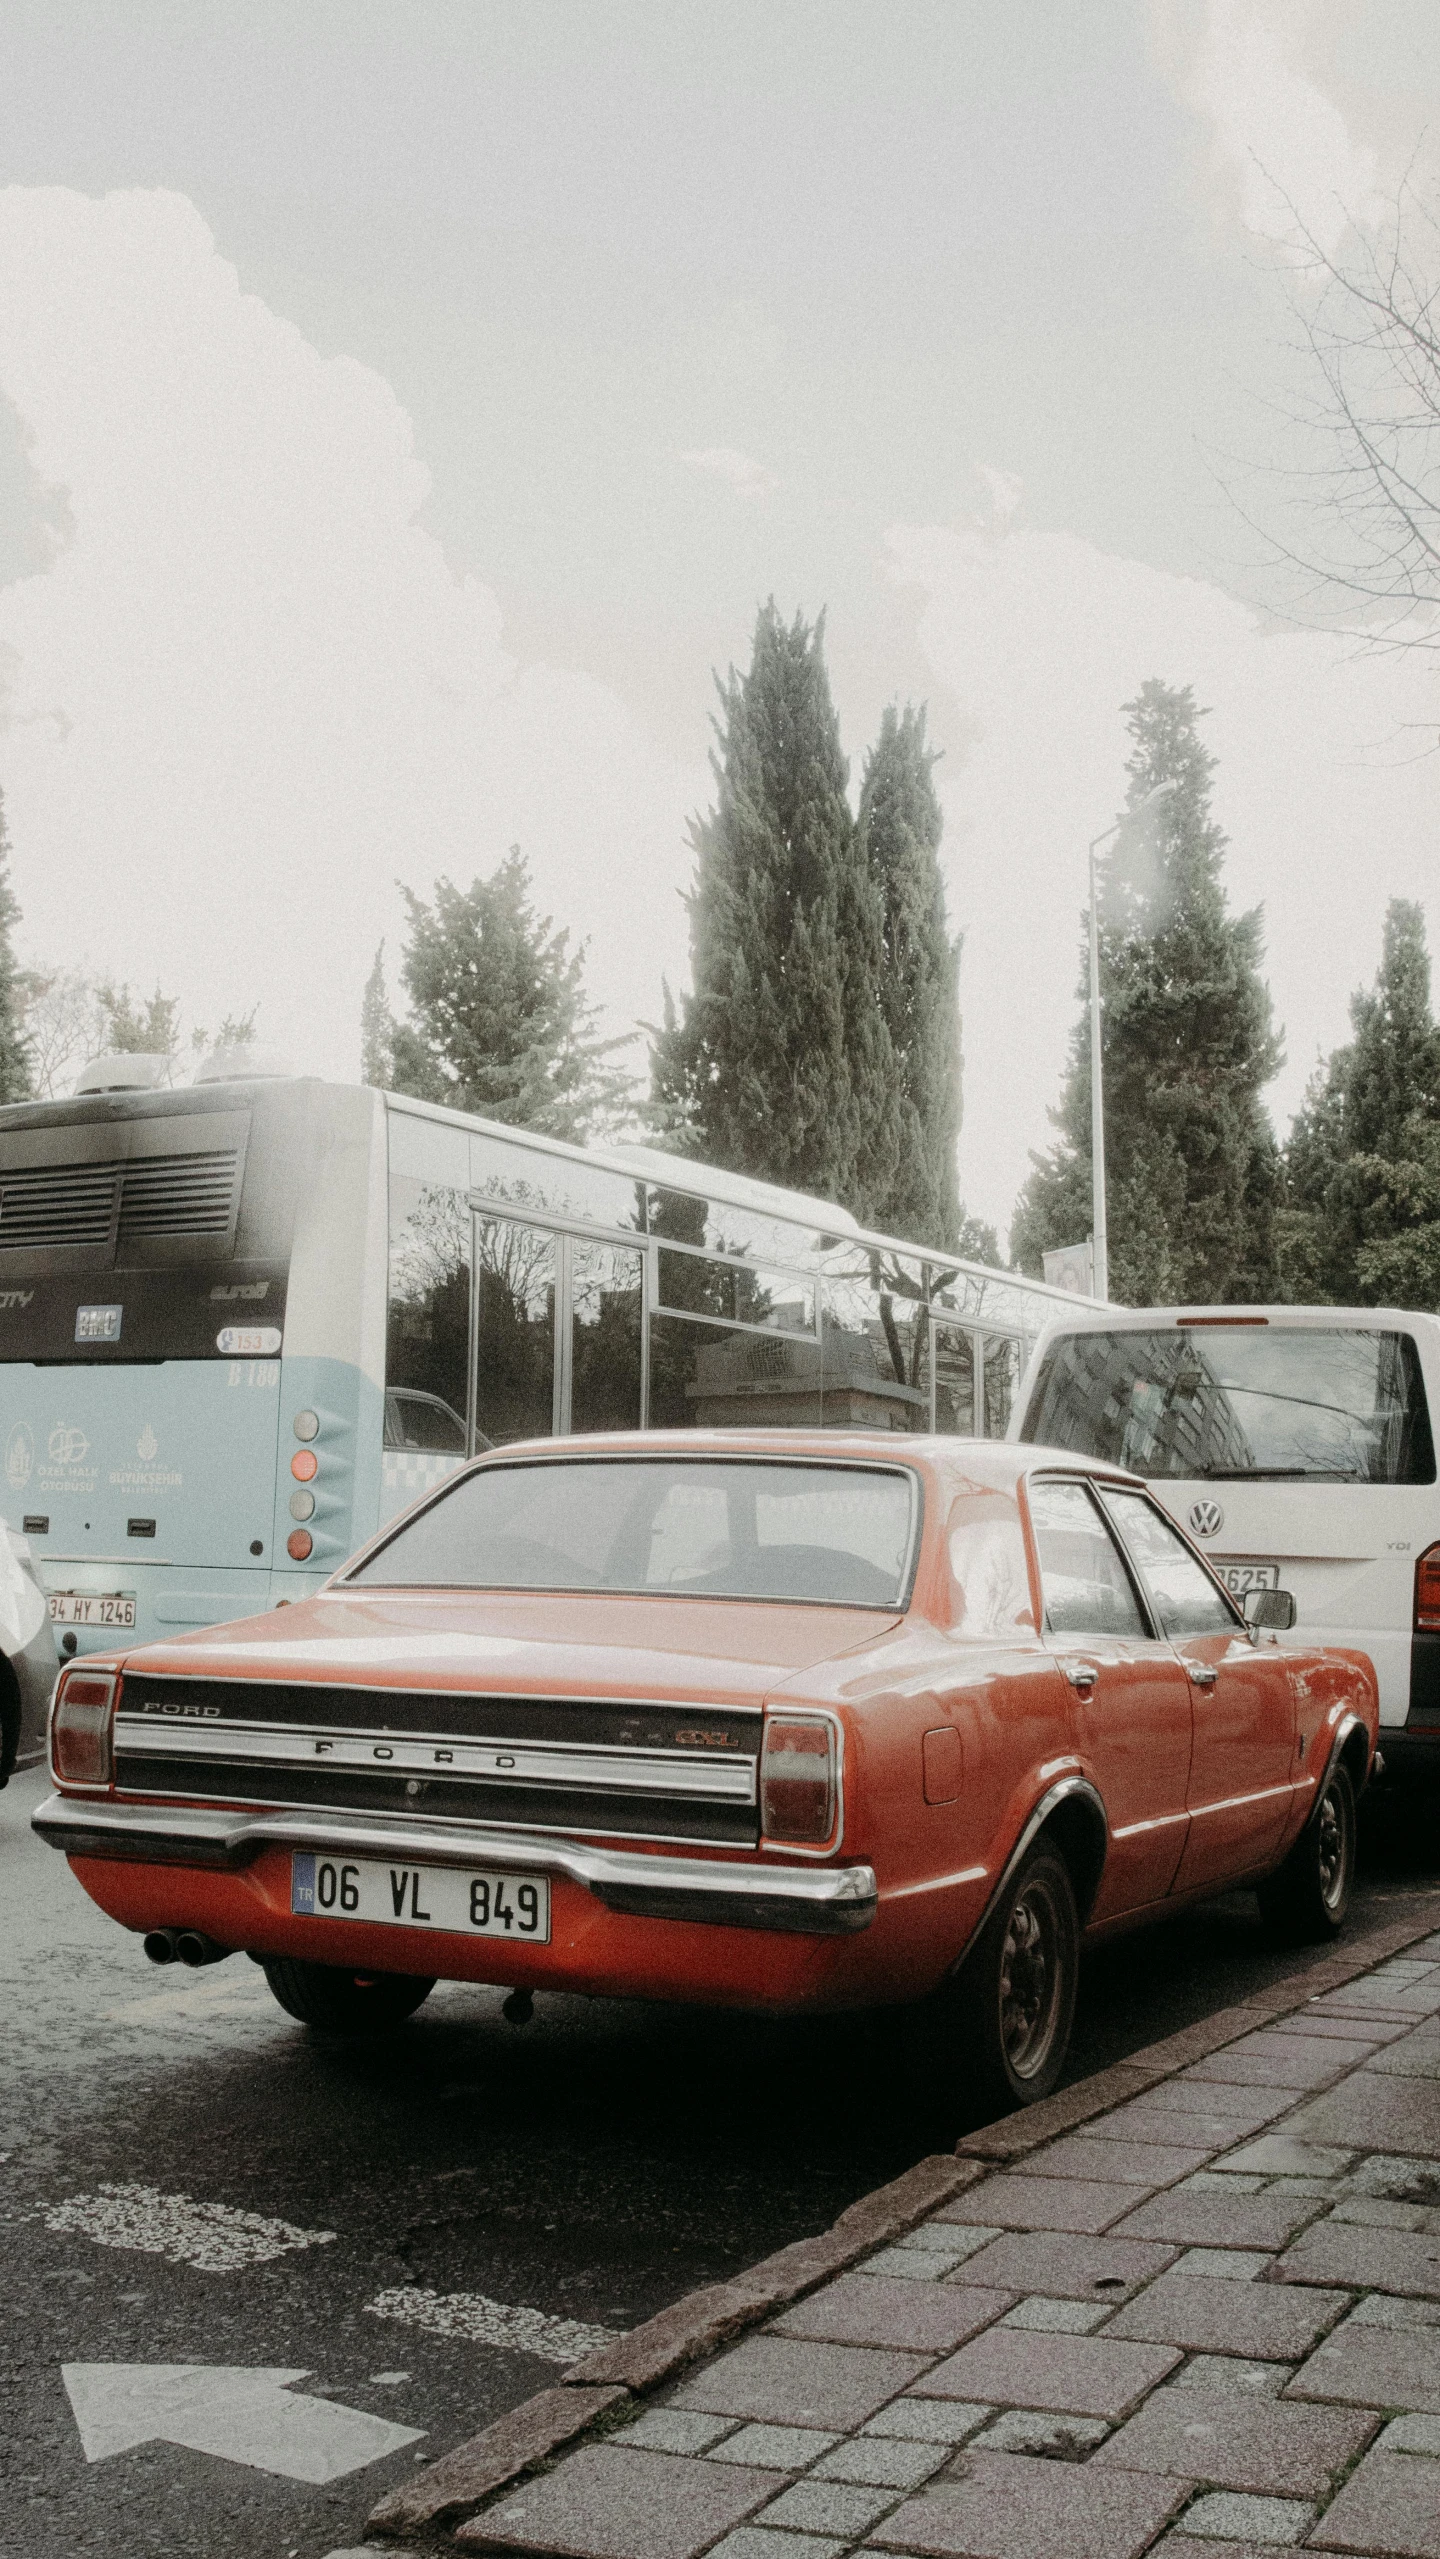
(1427, 1590)
(798, 1779)
(306, 1425)
(81, 1724)
(299, 1545)
(302, 1505)
(304, 1465)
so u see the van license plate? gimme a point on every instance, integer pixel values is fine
(92, 1608)
(1238, 1578)
(467, 1901)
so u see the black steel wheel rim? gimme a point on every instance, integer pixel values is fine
(1031, 1979)
(1332, 1846)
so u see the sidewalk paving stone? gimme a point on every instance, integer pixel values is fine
(1235, 2373)
(869, 2310)
(1283, 2155)
(1232, 2517)
(917, 2265)
(1040, 2430)
(912, 2420)
(1269, 2445)
(747, 2543)
(1057, 2318)
(1387, 2172)
(953, 2227)
(1194, 2110)
(1372, 2112)
(760, 2447)
(1371, 2367)
(1086, 2376)
(1393, 2310)
(1008, 2506)
(607, 2503)
(1218, 2220)
(1416, 2056)
(1024, 2200)
(1272, 2061)
(829, 2505)
(1259, 2320)
(795, 2383)
(877, 2461)
(1313, 2021)
(1345, 2252)
(1390, 2509)
(1180, 2544)
(1226, 2265)
(682, 2430)
(1062, 2263)
(1127, 2163)
(1413, 2433)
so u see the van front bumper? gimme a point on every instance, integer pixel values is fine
(809, 1901)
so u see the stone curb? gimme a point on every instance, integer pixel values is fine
(696, 2325)
(454, 2487)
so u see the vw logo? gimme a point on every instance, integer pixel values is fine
(1206, 1518)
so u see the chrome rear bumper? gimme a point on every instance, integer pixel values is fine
(810, 1901)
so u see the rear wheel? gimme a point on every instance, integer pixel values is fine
(343, 2002)
(1308, 1898)
(996, 2034)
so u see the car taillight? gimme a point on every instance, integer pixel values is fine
(798, 1771)
(80, 1728)
(1427, 1589)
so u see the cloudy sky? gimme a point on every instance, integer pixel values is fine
(403, 409)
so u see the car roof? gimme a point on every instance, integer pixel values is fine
(996, 1462)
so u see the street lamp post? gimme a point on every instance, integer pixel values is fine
(1100, 1276)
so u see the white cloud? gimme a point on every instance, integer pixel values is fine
(1280, 146)
(1325, 787)
(250, 690)
(740, 471)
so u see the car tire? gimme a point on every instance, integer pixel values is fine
(996, 2035)
(1308, 1898)
(342, 2002)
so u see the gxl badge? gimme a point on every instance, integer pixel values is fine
(1206, 1518)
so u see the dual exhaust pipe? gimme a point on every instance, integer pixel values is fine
(183, 1946)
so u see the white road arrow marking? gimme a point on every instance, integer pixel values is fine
(240, 2413)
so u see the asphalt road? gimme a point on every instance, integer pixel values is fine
(589, 2167)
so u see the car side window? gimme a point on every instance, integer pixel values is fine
(1186, 1600)
(1086, 1587)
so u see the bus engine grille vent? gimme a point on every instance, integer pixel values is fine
(54, 1204)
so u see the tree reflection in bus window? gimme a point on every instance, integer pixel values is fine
(428, 1328)
(954, 1356)
(1002, 1376)
(604, 1337)
(515, 1330)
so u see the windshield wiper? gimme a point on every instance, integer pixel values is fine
(1280, 1475)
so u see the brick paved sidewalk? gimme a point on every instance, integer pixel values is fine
(1207, 2324)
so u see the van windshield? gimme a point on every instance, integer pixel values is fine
(731, 1529)
(1275, 1403)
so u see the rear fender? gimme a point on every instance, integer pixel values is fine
(1072, 1814)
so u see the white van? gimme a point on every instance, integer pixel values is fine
(1295, 1444)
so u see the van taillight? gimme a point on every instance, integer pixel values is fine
(1427, 1589)
(798, 1774)
(81, 1724)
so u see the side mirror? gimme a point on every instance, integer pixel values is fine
(1270, 1608)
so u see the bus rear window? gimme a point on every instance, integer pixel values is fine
(1282, 1403)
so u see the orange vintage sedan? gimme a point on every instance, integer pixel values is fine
(774, 1720)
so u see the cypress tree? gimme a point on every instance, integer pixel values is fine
(499, 1022)
(779, 1063)
(1361, 1220)
(900, 829)
(1188, 1049)
(377, 1029)
(16, 1075)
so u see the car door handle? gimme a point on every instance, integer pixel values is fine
(1203, 1674)
(1081, 1675)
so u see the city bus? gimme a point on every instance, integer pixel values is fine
(244, 1322)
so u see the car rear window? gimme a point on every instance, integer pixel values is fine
(725, 1528)
(1275, 1402)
